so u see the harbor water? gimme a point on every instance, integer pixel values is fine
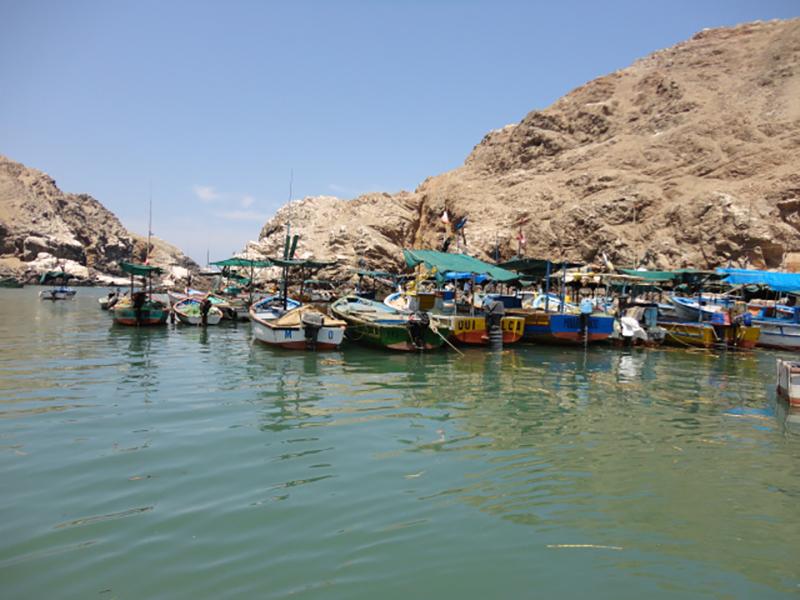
(177, 462)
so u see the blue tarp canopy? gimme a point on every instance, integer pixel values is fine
(464, 275)
(780, 282)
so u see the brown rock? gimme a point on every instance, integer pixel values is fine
(690, 156)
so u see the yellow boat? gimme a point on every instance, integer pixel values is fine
(706, 335)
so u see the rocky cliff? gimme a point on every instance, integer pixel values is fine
(690, 156)
(42, 228)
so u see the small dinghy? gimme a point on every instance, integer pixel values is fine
(192, 311)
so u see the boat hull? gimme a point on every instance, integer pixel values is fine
(150, 315)
(472, 331)
(381, 326)
(788, 381)
(57, 294)
(558, 328)
(294, 338)
(699, 335)
(213, 318)
(705, 335)
(779, 336)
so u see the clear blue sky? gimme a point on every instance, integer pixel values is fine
(215, 102)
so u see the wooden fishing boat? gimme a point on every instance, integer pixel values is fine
(464, 329)
(299, 328)
(60, 290)
(376, 324)
(57, 293)
(10, 282)
(140, 308)
(190, 312)
(780, 325)
(789, 381)
(709, 335)
(544, 326)
(472, 330)
(151, 312)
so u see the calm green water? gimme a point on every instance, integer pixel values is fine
(180, 463)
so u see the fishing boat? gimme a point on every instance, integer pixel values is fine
(544, 326)
(190, 312)
(232, 308)
(299, 328)
(140, 308)
(465, 329)
(60, 290)
(780, 325)
(708, 335)
(789, 381)
(10, 282)
(377, 324)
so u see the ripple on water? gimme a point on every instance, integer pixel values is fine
(233, 470)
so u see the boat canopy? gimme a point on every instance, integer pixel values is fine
(450, 275)
(445, 263)
(54, 275)
(140, 270)
(302, 263)
(678, 276)
(242, 262)
(536, 267)
(780, 282)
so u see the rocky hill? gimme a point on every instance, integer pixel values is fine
(42, 228)
(690, 156)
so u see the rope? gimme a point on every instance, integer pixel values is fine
(436, 331)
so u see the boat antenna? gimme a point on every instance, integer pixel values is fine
(149, 225)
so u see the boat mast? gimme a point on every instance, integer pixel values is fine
(149, 226)
(286, 248)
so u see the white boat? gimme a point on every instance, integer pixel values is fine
(299, 328)
(190, 312)
(57, 293)
(789, 381)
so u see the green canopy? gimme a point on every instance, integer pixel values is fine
(296, 262)
(140, 270)
(536, 267)
(444, 262)
(676, 276)
(53, 275)
(242, 262)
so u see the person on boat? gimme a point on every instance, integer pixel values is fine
(205, 306)
(138, 303)
(586, 307)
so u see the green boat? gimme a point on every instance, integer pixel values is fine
(139, 307)
(10, 282)
(376, 324)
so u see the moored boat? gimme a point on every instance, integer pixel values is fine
(140, 308)
(376, 324)
(190, 312)
(10, 282)
(299, 328)
(789, 381)
(60, 290)
(709, 335)
(464, 329)
(544, 326)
